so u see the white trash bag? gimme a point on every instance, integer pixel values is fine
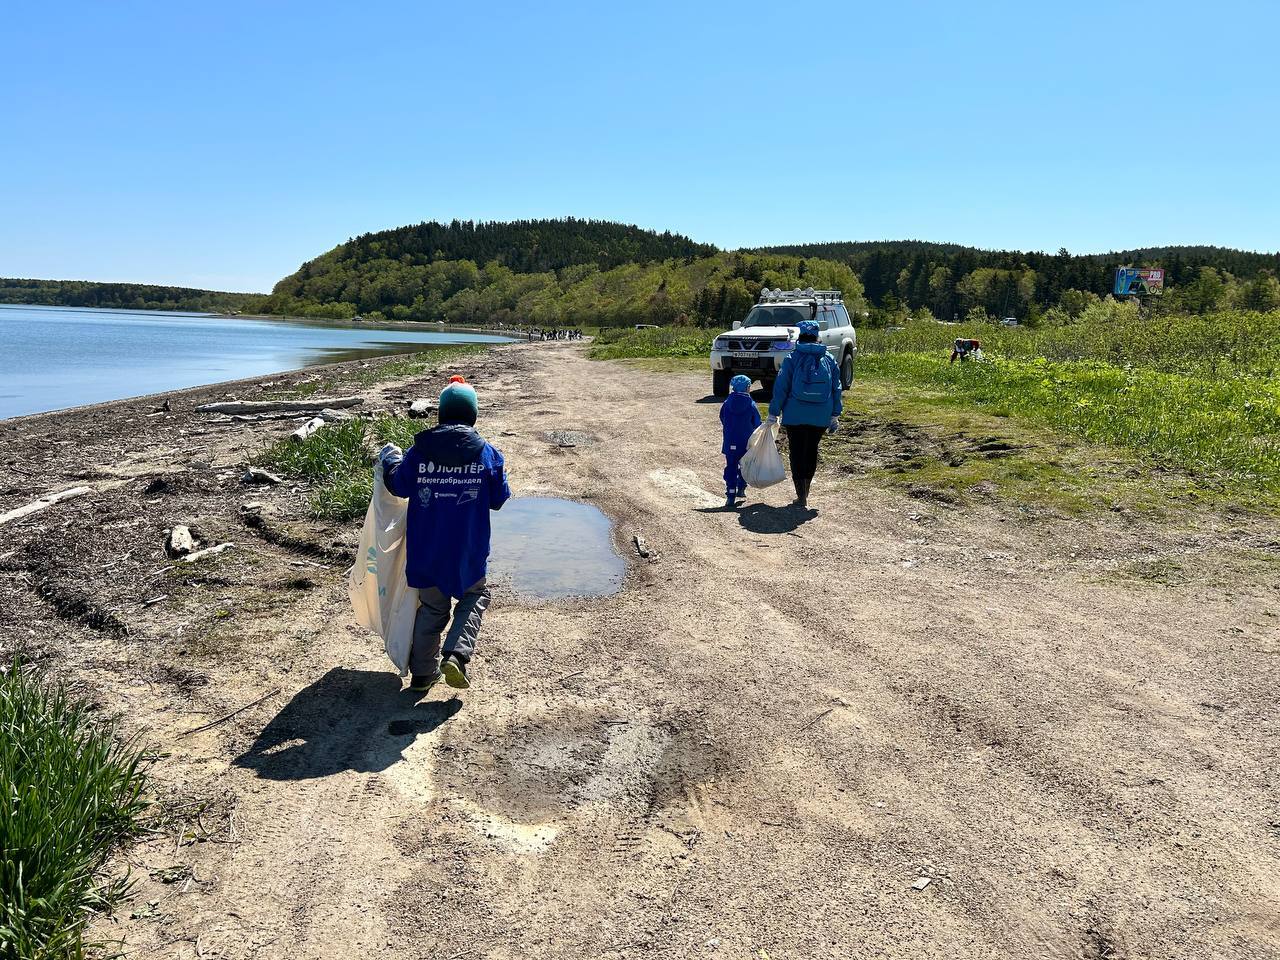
(762, 464)
(381, 597)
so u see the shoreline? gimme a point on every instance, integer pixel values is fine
(411, 348)
(284, 379)
(405, 325)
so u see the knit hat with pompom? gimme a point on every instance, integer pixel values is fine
(458, 403)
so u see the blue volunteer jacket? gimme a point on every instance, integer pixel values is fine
(452, 478)
(739, 416)
(795, 410)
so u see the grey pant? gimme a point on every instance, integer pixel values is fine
(434, 616)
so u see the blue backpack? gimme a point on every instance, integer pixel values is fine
(812, 382)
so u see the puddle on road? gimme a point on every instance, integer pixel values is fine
(546, 548)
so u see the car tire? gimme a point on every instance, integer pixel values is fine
(720, 382)
(846, 371)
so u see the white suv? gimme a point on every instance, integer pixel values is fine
(757, 345)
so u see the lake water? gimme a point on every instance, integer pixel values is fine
(54, 357)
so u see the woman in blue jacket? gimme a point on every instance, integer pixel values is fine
(807, 397)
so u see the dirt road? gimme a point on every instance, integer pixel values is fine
(884, 729)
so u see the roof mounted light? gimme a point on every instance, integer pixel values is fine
(808, 295)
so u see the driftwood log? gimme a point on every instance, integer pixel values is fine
(43, 503)
(327, 415)
(280, 406)
(206, 552)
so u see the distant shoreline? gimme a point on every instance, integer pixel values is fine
(404, 325)
(145, 404)
(131, 360)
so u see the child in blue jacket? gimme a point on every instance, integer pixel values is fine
(739, 417)
(452, 478)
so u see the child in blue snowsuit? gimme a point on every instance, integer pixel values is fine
(452, 478)
(739, 417)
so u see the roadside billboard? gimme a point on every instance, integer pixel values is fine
(1138, 282)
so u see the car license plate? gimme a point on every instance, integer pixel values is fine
(743, 355)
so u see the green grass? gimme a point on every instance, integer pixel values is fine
(337, 460)
(941, 448)
(70, 791)
(620, 343)
(334, 460)
(1192, 393)
(1227, 343)
(1223, 430)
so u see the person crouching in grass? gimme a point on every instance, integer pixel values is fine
(452, 477)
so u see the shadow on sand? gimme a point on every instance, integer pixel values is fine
(763, 518)
(357, 720)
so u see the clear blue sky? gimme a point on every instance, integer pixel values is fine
(221, 144)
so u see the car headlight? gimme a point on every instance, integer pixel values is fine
(783, 345)
(719, 344)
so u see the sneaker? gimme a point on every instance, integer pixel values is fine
(422, 682)
(455, 672)
(729, 502)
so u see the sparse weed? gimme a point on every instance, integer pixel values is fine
(338, 459)
(412, 364)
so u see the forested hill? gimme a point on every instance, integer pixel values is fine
(1241, 263)
(125, 296)
(524, 246)
(593, 272)
(949, 278)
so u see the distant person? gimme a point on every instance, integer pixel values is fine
(965, 349)
(739, 418)
(807, 395)
(452, 478)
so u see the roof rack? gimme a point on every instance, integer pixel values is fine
(774, 295)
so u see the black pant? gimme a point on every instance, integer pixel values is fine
(803, 442)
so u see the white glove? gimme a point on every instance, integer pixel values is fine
(834, 425)
(771, 421)
(390, 450)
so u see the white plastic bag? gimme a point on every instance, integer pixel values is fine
(382, 599)
(762, 464)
